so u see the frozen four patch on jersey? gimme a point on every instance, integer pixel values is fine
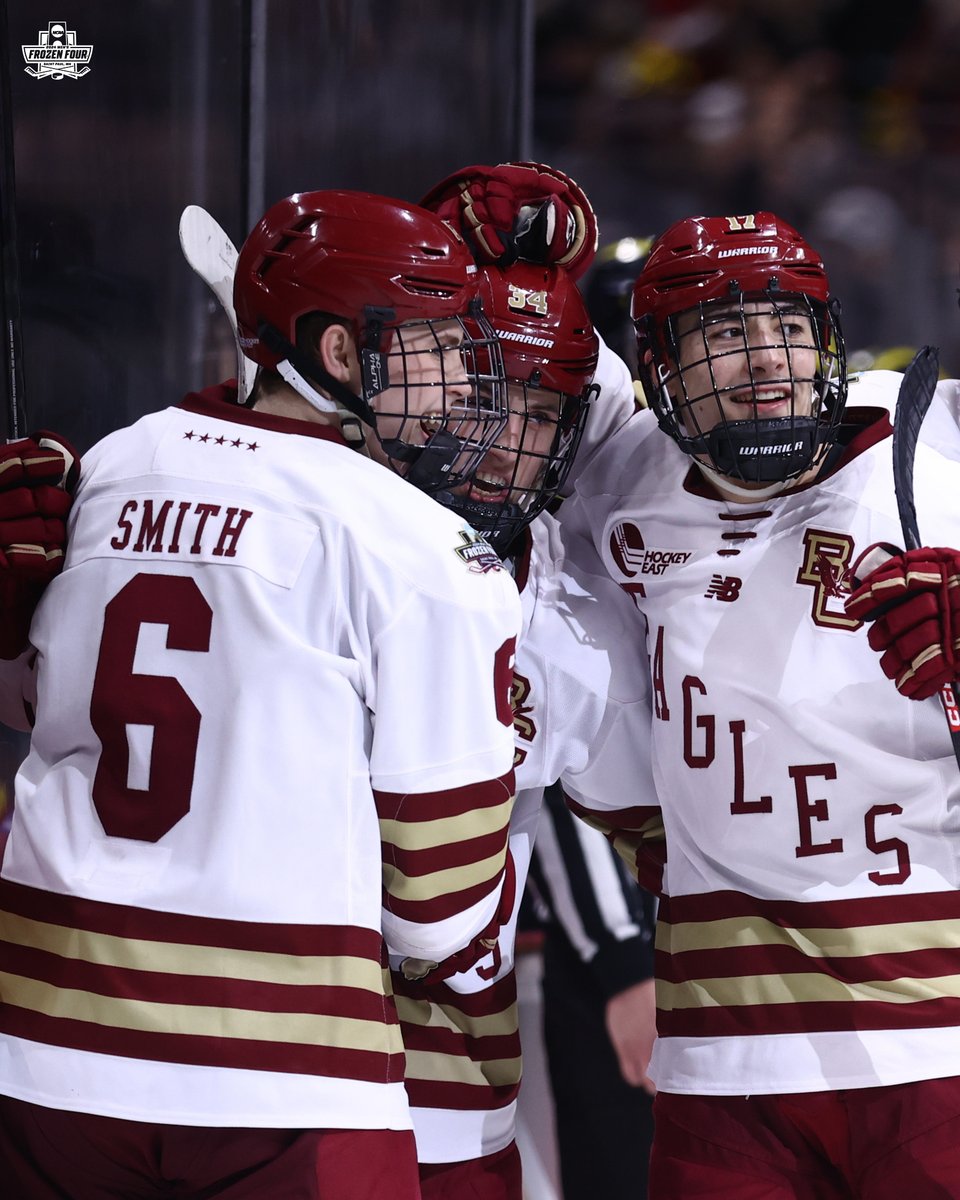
(477, 553)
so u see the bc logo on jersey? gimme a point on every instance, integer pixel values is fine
(524, 725)
(825, 564)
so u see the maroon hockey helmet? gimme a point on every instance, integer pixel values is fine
(546, 336)
(344, 253)
(387, 270)
(710, 267)
(549, 352)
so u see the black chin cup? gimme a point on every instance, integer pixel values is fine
(499, 523)
(430, 466)
(761, 451)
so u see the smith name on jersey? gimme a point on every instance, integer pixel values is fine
(252, 775)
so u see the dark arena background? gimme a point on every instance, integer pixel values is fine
(842, 116)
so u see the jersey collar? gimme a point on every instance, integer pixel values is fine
(220, 401)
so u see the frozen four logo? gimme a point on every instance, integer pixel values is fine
(477, 553)
(56, 54)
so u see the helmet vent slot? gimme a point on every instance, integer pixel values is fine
(426, 287)
(293, 234)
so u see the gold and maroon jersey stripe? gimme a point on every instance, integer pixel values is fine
(844, 913)
(637, 834)
(200, 990)
(732, 964)
(443, 851)
(144, 924)
(204, 1050)
(463, 1049)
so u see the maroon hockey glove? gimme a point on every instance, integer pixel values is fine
(37, 476)
(519, 210)
(913, 602)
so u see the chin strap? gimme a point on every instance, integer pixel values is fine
(727, 486)
(350, 426)
(301, 374)
(309, 393)
(739, 490)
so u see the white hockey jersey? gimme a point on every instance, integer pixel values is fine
(614, 404)
(940, 428)
(581, 712)
(273, 731)
(807, 935)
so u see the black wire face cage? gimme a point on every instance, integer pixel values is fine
(527, 464)
(754, 386)
(440, 397)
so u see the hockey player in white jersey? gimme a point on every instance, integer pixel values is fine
(581, 710)
(273, 741)
(808, 1025)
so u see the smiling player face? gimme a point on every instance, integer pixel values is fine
(758, 364)
(516, 464)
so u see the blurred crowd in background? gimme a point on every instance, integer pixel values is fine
(842, 116)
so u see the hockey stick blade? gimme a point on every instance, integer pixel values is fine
(213, 256)
(913, 400)
(13, 380)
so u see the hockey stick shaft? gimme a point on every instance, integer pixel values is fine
(916, 393)
(213, 256)
(10, 269)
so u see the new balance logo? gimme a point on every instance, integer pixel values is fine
(723, 587)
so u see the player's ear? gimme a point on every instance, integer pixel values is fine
(336, 352)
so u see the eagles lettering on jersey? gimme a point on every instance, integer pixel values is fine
(812, 875)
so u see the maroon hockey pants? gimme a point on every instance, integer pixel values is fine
(494, 1177)
(48, 1154)
(899, 1142)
